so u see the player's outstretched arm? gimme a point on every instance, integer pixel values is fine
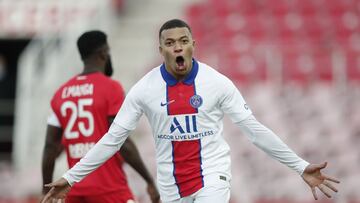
(94, 158)
(59, 190)
(131, 155)
(266, 140)
(315, 179)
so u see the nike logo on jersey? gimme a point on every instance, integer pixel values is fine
(167, 103)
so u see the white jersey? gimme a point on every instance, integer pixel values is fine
(186, 120)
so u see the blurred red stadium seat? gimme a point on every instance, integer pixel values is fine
(353, 65)
(311, 30)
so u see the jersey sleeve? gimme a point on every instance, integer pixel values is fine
(53, 120)
(269, 142)
(131, 109)
(232, 102)
(107, 146)
(115, 98)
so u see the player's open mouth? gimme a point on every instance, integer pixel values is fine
(180, 61)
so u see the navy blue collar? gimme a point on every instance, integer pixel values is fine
(189, 79)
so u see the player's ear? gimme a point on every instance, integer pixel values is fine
(160, 49)
(103, 54)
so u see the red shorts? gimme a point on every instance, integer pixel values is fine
(111, 197)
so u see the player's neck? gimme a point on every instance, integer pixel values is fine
(178, 77)
(88, 70)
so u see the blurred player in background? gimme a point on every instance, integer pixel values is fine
(83, 109)
(185, 101)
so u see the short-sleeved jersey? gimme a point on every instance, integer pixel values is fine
(186, 120)
(82, 106)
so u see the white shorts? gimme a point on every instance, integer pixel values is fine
(210, 194)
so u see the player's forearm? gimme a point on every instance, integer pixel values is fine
(266, 140)
(48, 164)
(102, 151)
(132, 156)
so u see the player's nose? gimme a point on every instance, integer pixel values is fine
(178, 47)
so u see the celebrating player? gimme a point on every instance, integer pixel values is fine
(185, 101)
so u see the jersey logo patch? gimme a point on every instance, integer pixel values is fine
(167, 103)
(196, 101)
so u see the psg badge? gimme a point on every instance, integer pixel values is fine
(196, 101)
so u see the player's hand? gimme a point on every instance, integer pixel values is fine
(153, 193)
(58, 190)
(53, 200)
(315, 179)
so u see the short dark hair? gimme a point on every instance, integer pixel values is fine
(174, 23)
(90, 41)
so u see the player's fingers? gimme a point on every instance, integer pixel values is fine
(314, 193)
(323, 165)
(60, 201)
(329, 185)
(49, 185)
(46, 199)
(331, 179)
(58, 195)
(321, 187)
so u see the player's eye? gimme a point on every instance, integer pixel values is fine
(169, 43)
(185, 41)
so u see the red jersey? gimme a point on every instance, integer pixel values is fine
(82, 106)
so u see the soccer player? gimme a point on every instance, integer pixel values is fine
(83, 109)
(185, 101)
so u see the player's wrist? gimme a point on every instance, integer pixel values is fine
(68, 179)
(303, 165)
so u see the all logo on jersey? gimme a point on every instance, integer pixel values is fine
(185, 128)
(196, 101)
(190, 125)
